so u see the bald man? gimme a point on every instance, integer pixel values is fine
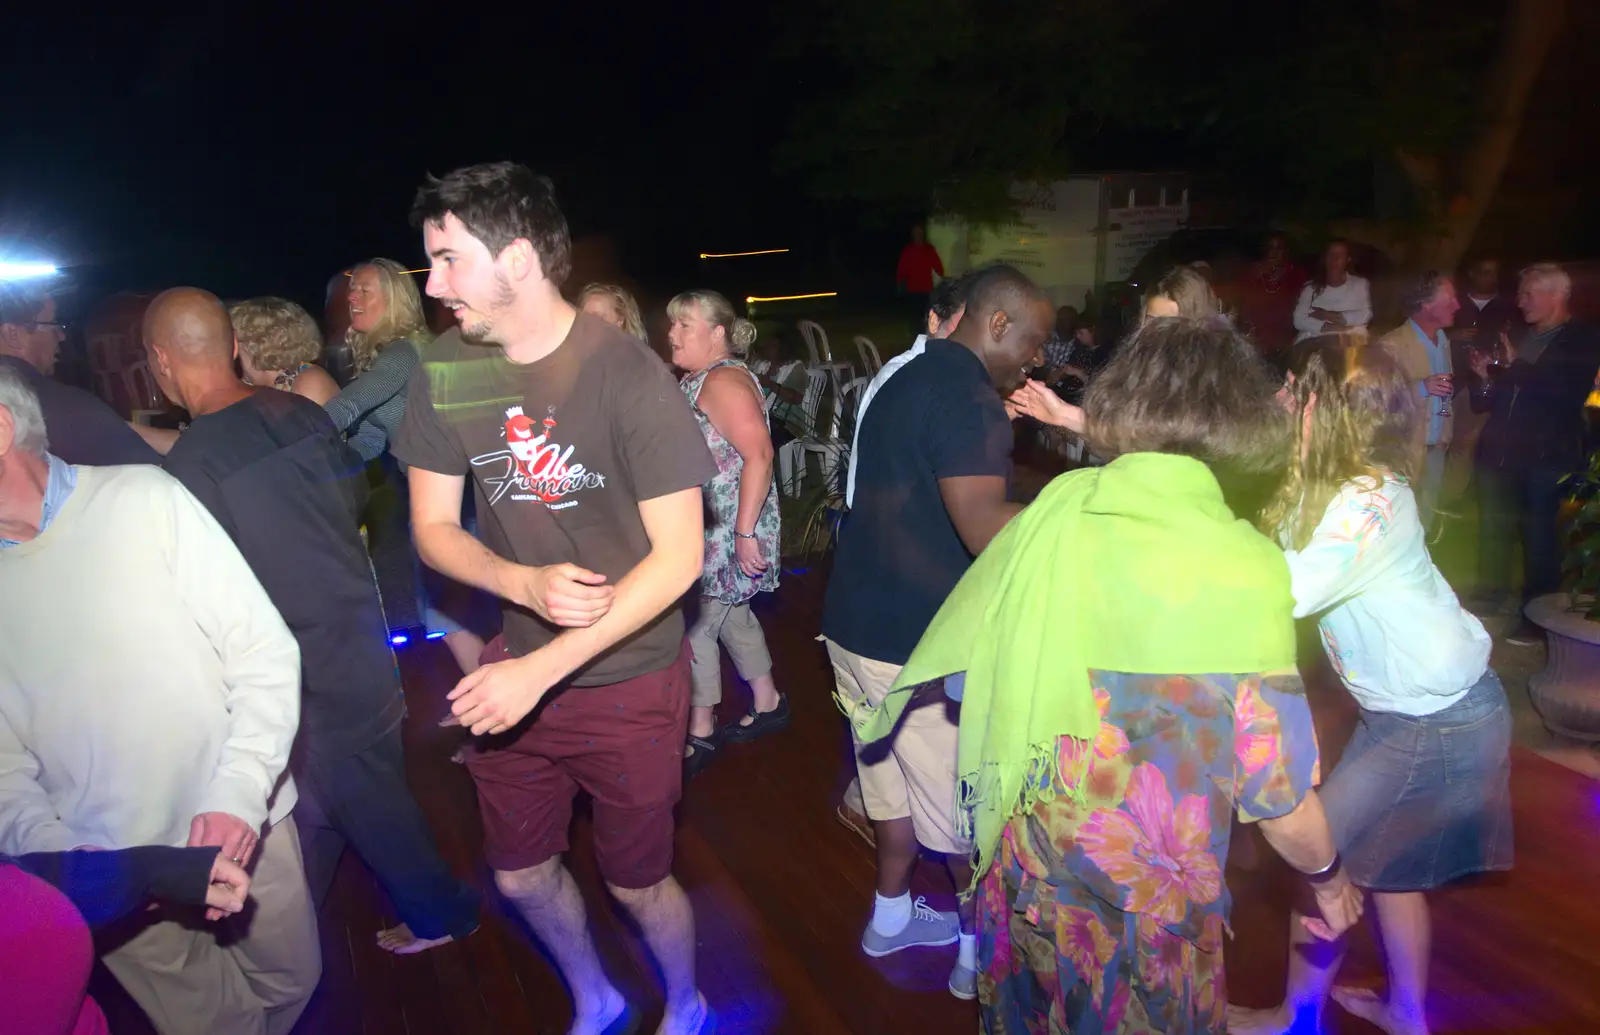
(279, 478)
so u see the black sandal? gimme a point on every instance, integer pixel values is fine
(705, 749)
(761, 723)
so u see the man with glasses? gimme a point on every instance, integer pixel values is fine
(83, 429)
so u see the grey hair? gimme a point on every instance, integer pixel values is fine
(717, 311)
(19, 397)
(1551, 276)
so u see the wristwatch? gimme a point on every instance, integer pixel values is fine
(743, 535)
(1328, 872)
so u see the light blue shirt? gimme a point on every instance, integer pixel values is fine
(1438, 363)
(1391, 626)
(57, 487)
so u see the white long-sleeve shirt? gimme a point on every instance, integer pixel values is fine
(1391, 626)
(1353, 298)
(145, 677)
(878, 381)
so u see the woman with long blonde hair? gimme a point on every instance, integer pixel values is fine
(386, 335)
(1421, 795)
(1183, 291)
(616, 306)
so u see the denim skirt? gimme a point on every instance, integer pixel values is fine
(1417, 801)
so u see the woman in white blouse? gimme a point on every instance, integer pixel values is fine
(1335, 301)
(1421, 795)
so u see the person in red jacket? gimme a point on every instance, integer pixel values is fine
(913, 276)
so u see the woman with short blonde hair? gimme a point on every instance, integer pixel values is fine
(709, 342)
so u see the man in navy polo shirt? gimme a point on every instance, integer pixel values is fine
(932, 466)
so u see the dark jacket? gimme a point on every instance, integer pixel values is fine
(1536, 417)
(82, 429)
(1500, 315)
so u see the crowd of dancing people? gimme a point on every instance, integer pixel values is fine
(1070, 702)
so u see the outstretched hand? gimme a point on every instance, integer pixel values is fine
(1037, 400)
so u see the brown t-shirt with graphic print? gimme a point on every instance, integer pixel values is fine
(560, 453)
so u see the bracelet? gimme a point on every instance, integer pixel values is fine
(741, 535)
(1328, 872)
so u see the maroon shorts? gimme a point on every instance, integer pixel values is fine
(623, 743)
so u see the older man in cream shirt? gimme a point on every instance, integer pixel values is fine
(149, 694)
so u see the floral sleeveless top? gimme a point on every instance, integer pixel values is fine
(722, 578)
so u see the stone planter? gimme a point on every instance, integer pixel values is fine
(1567, 691)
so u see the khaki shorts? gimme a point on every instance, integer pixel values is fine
(917, 776)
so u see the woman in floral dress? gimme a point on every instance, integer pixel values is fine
(708, 341)
(1129, 687)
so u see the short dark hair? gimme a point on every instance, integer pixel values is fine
(498, 203)
(21, 301)
(1000, 287)
(949, 295)
(1421, 292)
(1194, 388)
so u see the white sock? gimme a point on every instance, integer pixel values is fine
(891, 915)
(967, 951)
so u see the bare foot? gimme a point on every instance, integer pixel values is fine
(1367, 1005)
(609, 1017)
(400, 941)
(1277, 1021)
(693, 1019)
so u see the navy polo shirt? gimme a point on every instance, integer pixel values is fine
(899, 555)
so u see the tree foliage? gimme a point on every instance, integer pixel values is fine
(1297, 107)
(912, 102)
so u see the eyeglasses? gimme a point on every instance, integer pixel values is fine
(40, 325)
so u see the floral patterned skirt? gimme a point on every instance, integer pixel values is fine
(1055, 959)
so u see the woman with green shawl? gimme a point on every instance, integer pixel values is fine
(1130, 685)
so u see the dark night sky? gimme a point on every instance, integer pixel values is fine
(258, 148)
(251, 150)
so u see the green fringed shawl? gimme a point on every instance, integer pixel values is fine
(1138, 566)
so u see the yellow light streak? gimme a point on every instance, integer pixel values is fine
(740, 255)
(753, 299)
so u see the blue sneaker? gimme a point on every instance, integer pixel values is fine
(927, 927)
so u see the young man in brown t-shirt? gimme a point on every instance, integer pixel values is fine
(587, 465)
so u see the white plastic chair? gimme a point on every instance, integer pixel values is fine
(830, 450)
(869, 355)
(791, 457)
(816, 342)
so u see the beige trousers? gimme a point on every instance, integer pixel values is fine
(737, 629)
(916, 776)
(248, 975)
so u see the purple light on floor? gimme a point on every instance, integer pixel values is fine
(399, 639)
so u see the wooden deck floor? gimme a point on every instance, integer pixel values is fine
(781, 892)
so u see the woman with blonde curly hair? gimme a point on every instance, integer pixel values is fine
(1421, 795)
(278, 347)
(615, 306)
(709, 343)
(387, 332)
